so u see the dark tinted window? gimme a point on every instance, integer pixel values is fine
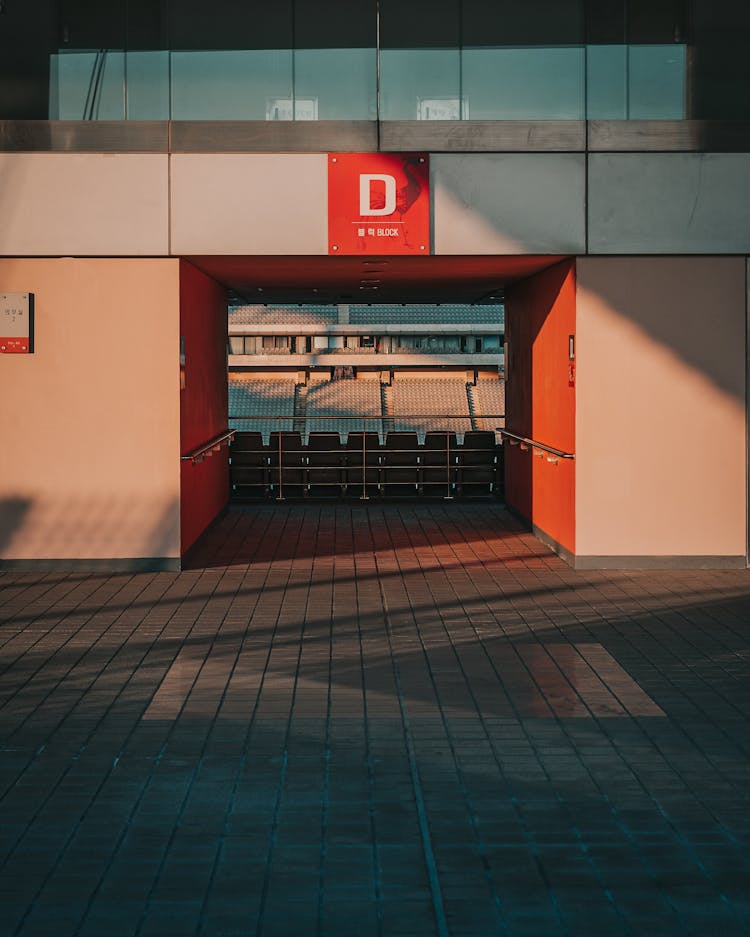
(420, 24)
(91, 24)
(335, 24)
(530, 23)
(230, 24)
(721, 65)
(27, 36)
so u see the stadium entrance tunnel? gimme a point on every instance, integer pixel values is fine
(391, 423)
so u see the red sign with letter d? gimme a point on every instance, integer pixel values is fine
(378, 203)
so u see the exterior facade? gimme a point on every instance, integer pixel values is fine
(589, 159)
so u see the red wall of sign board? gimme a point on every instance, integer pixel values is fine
(540, 316)
(378, 203)
(204, 486)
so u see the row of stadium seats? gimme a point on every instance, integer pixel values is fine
(340, 406)
(385, 313)
(339, 398)
(363, 466)
(283, 315)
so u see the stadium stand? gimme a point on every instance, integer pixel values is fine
(444, 313)
(282, 315)
(488, 397)
(261, 398)
(341, 398)
(423, 396)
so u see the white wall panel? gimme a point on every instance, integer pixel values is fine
(669, 203)
(94, 204)
(257, 203)
(509, 203)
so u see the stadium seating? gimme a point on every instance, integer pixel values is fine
(438, 459)
(477, 468)
(260, 400)
(362, 464)
(424, 396)
(325, 461)
(248, 466)
(339, 398)
(445, 313)
(286, 462)
(282, 315)
(489, 398)
(400, 464)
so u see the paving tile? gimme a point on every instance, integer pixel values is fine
(374, 721)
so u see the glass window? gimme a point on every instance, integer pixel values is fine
(420, 24)
(439, 60)
(87, 85)
(253, 84)
(335, 84)
(642, 82)
(527, 83)
(606, 81)
(147, 86)
(420, 84)
(656, 82)
(517, 23)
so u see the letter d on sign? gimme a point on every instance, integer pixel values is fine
(365, 193)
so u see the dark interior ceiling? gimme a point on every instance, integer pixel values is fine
(322, 279)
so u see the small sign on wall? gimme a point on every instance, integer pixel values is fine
(16, 323)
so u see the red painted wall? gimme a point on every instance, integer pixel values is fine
(540, 314)
(204, 488)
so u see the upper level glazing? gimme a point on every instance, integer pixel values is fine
(410, 60)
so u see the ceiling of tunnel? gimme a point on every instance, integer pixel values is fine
(441, 279)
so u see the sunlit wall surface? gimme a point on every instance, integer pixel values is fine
(358, 60)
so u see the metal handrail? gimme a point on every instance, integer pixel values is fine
(533, 444)
(370, 416)
(197, 455)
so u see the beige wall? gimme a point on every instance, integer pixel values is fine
(508, 203)
(90, 423)
(250, 203)
(118, 204)
(660, 420)
(83, 203)
(669, 203)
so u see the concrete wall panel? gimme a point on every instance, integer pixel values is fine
(660, 413)
(90, 422)
(669, 203)
(509, 203)
(83, 204)
(258, 203)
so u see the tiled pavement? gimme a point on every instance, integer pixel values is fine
(385, 720)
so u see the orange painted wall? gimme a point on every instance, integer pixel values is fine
(540, 314)
(89, 423)
(204, 488)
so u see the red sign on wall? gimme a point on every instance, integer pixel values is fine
(378, 203)
(16, 323)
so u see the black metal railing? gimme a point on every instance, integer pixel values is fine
(536, 447)
(430, 459)
(213, 445)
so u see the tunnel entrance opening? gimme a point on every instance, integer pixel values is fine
(365, 379)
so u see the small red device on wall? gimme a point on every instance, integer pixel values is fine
(16, 323)
(571, 361)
